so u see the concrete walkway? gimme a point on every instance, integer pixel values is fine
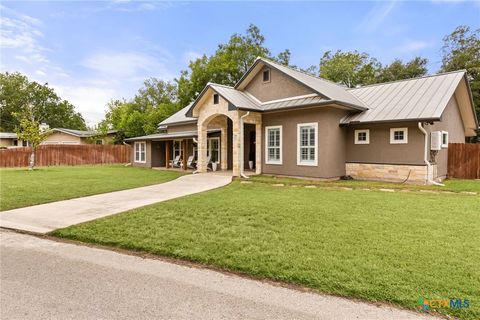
(44, 279)
(47, 217)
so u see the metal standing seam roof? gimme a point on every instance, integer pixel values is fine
(163, 136)
(179, 117)
(325, 88)
(236, 97)
(411, 99)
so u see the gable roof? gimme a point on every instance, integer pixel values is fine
(8, 135)
(80, 133)
(423, 98)
(179, 117)
(325, 88)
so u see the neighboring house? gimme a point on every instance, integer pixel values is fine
(70, 136)
(59, 136)
(9, 140)
(294, 124)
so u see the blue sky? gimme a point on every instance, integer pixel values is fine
(91, 52)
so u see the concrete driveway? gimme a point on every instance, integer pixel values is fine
(44, 279)
(50, 216)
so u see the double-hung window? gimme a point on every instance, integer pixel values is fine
(273, 147)
(140, 152)
(307, 144)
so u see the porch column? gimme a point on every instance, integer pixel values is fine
(185, 155)
(224, 148)
(202, 148)
(167, 154)
(237, 137)
(258, 148)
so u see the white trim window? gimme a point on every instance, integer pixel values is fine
(307, 144)
(444, 139)
(273, 145)
(140, 152)
(213, 149)
(398, 135)
(362, 136)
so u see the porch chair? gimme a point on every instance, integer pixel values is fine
(191, 162)
(175, 163)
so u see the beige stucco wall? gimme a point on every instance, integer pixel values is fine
(451, 121)
(6, 142)
(280, 86)
(59, 137)
(331, 142)
(379, 150)
(181, 127)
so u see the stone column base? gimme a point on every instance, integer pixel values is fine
(416, 174)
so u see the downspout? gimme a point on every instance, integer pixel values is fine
(242, 146)
(425, 157)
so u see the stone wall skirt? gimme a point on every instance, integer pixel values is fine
(387, 172)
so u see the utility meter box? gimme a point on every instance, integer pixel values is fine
(436, 140)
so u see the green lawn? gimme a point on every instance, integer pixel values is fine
(372, 245)
(21, 188)
(452, 185)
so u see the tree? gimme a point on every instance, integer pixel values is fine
(29, 130)
(461, 50)
(227, 65)
(153, 103)
(17, 92)
(349, 68)
(398, 70)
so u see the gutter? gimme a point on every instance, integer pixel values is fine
(425, 157)
(242, 146)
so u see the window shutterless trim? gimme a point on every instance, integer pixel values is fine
(138, 144)
(445, 145)
(301, 162)
(355, 138)
(280, 161)
(392, 136)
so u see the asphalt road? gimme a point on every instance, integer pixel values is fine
(44, 279)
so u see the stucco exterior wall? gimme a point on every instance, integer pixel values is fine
(181, 127)
(279, 87)
(381, 151)
(451, 121)
(59, 137)
(331, 142)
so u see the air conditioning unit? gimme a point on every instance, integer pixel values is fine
(436, 140)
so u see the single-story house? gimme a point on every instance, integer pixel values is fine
(59, 136)
(10, 140)
(70, 136)
(287, 122)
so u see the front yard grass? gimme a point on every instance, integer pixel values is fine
(372, 245)
(21, 188)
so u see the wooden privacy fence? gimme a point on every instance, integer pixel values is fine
(70, 155)
(464, 160)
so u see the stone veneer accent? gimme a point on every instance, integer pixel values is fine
(387, 172)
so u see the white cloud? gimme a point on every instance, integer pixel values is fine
(413, 46)
(191, 56)
(376, 16)
(124, 65)
(89, 100)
